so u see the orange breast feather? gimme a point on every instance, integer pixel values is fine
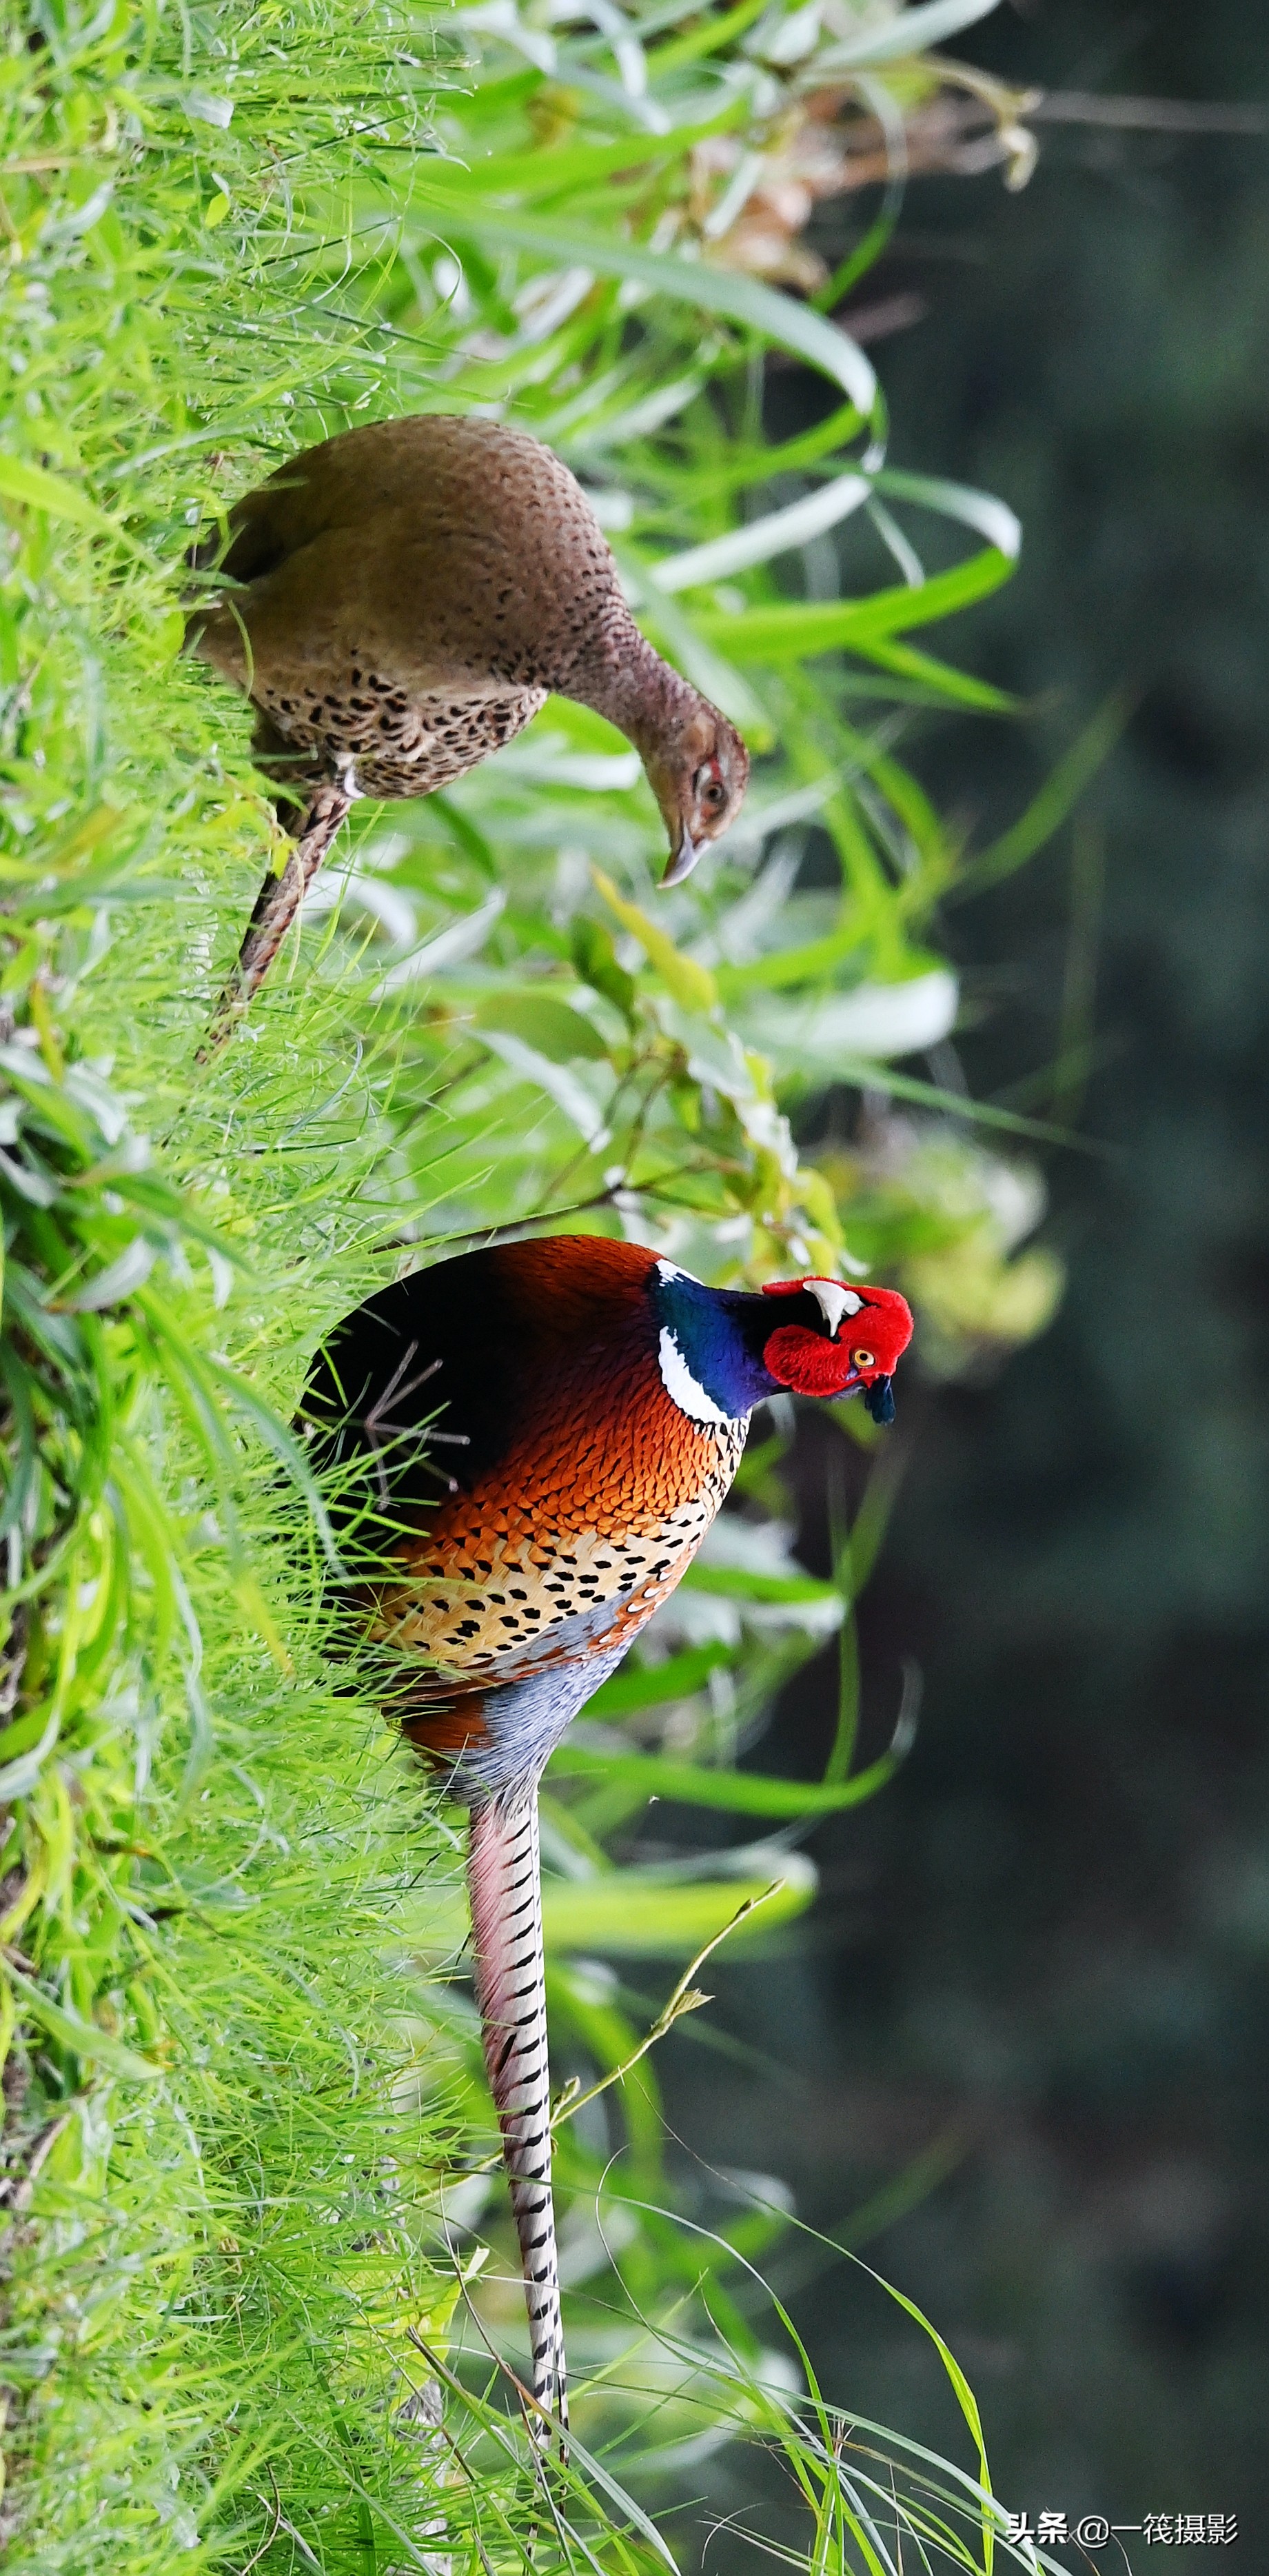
(582, 1490)
(601, 1502)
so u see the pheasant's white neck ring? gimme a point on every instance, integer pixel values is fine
(680, 1385)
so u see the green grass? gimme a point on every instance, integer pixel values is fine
(247, 2146)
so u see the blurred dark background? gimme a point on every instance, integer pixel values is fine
(1041, 1961)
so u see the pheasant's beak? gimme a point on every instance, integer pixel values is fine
(682, 860)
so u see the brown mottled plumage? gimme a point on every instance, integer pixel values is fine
(406, 597)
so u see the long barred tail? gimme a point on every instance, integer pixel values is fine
(506, 1913)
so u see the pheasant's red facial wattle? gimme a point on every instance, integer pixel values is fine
(807, 1363)
(863, 1335)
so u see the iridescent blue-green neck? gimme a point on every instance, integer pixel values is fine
(710, 1346)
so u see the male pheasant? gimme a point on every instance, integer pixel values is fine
(595, 1400)
(405, 597)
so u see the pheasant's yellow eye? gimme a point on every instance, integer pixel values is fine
(863, 1359)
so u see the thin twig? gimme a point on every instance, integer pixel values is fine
(486, 1236)
(685, 1999)
(1149, 115)
(276, 2510)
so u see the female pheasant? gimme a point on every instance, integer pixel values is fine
(405, 597)
(595, 1400)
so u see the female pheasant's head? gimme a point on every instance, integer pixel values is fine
(698, 771)
(721, 1351)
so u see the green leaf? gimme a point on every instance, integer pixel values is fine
(738, 1583)
(812, 963)
(739, 299)
(547, 1025)
(707, 38)
(569, 169)
(1045, 814)
(687, 983)
(955, 688)
(630, 1912)
(636, 1914)
(109, 1287)
(981, 510)
(40, 490)
(761, 539)
(640, 1686)
(595, 959)
(570, 1095)
(868, 1073)
(796, 629)
(742, 1793)
(83, 2037)
(908, 32)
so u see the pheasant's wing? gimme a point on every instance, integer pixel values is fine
(429, 467)
(418, 1384)
(298, 504)
(350, 620)
(450, 552)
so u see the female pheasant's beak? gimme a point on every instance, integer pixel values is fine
(699, 785)
(682, 860)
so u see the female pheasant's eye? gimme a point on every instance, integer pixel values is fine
(863, 1359)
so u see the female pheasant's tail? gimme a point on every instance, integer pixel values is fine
(276, 906)
(506, 1913)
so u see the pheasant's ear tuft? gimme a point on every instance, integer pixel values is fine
(833, 1299)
